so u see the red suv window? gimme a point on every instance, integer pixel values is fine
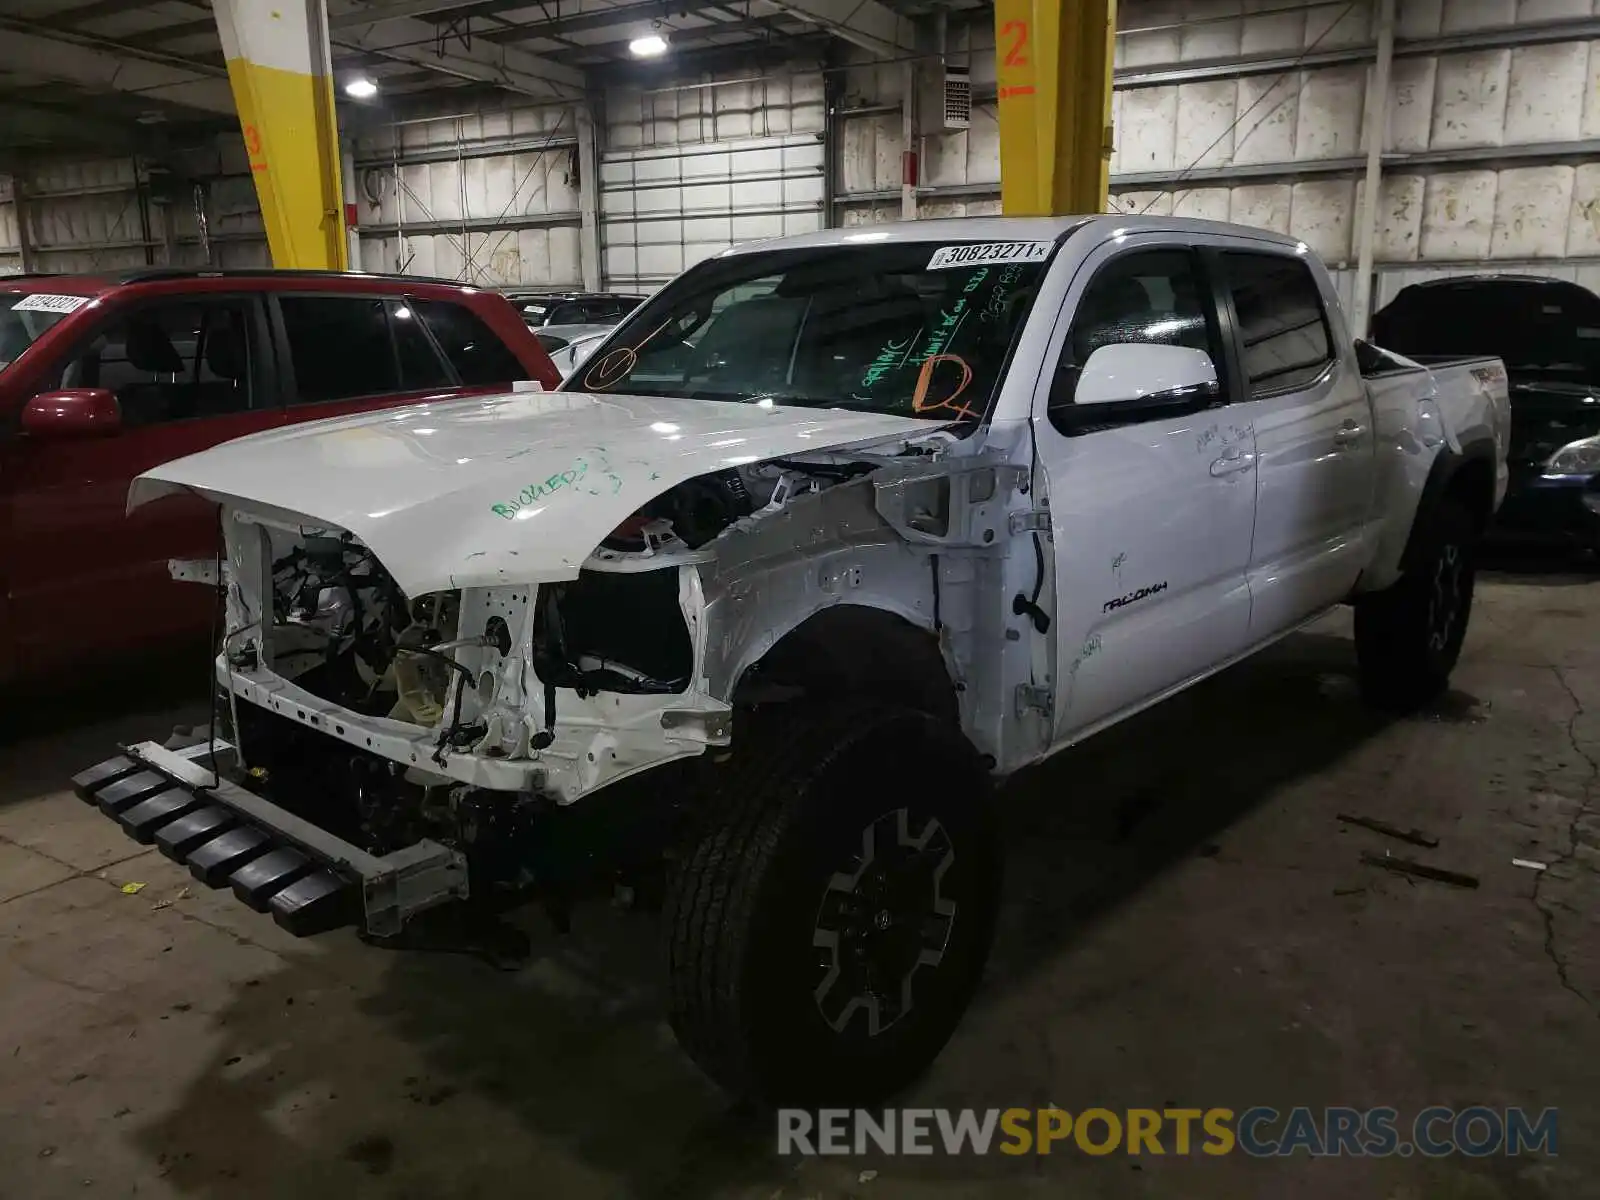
(172, 360)
(474, 350)
(346, 347)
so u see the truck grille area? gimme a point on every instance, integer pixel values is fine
(220, 846)
(614, 633)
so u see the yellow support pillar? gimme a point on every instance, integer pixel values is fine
(1053, 60)
(278, 67)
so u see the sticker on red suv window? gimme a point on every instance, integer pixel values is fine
(973, 254)
(45, 302)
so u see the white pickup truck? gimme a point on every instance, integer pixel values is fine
(829, 534)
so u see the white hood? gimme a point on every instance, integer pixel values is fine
(505, 489)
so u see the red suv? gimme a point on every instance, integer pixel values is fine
(102, 378)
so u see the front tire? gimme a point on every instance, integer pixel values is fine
(830, 922)
(1409, 637)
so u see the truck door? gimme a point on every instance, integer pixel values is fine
(1151, 487)
(1314, 471)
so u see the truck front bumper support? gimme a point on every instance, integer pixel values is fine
(308, 879)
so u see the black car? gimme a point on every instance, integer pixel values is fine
(572, 308)
(1547, 331)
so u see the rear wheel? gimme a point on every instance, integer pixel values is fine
(1409, 637)
(829, 925)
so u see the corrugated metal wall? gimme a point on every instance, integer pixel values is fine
(960, 171)
(488, 198)
(234, 234)
(116, 213)
(86, 216)
(10, 248)
(1227, 112)
(687, 173)
(1583, 272)
(1243, 110)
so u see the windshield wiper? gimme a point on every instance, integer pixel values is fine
(748, 397)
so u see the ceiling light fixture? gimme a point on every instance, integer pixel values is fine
(361, 89)
(649, 46)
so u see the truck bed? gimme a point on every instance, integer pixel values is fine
(1437, 362)
(1459, 400)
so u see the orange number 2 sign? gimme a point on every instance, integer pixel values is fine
(1017, 31)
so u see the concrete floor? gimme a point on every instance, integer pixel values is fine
(1187, 923)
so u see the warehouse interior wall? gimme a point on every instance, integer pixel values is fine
(1242, 110)
(691, 168)
(490, 198)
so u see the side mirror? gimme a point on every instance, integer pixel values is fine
(72, 413)
(1135, 381)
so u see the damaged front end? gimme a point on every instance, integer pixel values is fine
(429, 747)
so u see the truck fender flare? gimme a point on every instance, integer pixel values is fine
(1448, 467)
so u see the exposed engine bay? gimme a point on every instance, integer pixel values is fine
(466, 716)
(345, 631)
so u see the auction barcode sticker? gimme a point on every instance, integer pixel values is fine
(44, 302)
(973, 254)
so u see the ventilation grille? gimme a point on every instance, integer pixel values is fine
(957, 98)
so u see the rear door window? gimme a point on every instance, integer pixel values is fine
(348, 347)
(1283, 330)
(420, 364)
(476, 352)
(340, 346)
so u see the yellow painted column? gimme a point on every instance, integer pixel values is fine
(278, 67)
(1053, 62)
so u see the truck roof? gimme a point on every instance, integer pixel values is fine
(979, 229)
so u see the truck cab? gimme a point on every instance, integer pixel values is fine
(1204, 393)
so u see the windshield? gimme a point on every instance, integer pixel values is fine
(23, 318)
(914, 329)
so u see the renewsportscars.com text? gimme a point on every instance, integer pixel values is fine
(1259, 1132)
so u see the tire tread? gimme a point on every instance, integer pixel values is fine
(1397, 672)
(714, 893)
